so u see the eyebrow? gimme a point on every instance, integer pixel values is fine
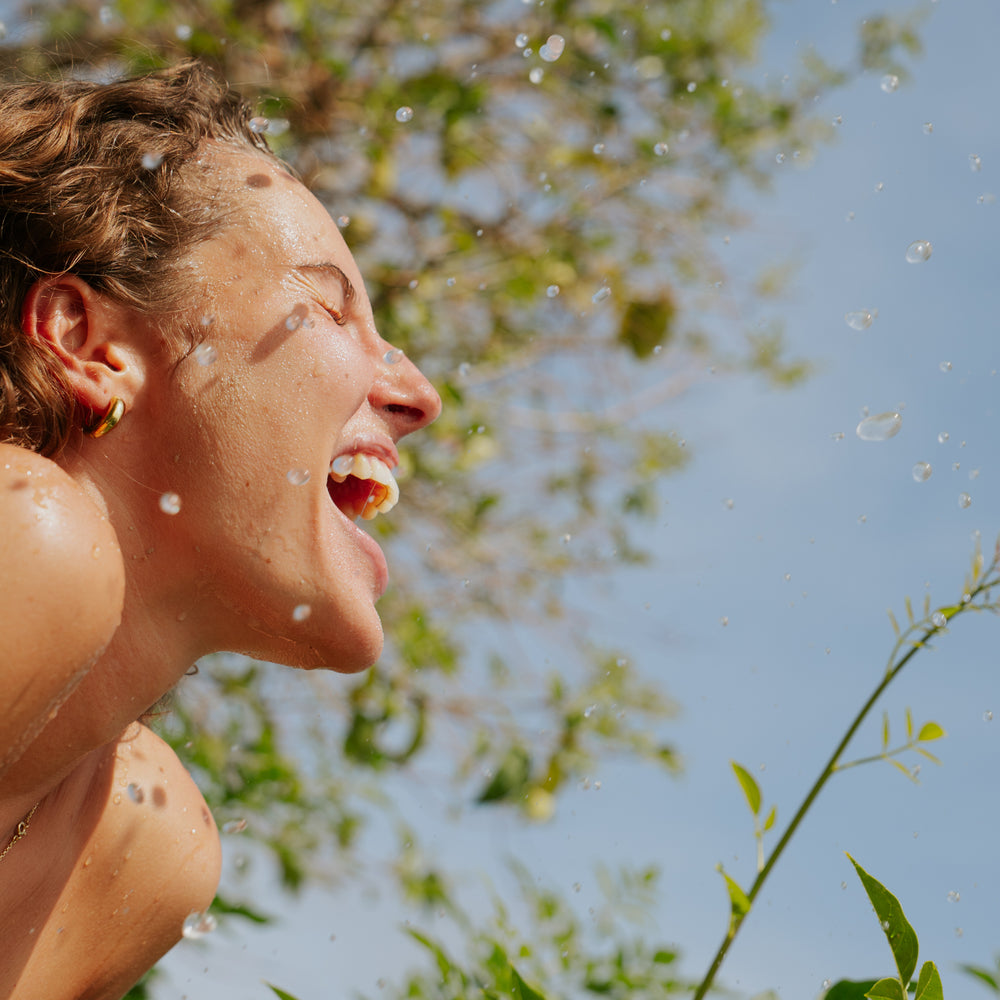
(329, 268)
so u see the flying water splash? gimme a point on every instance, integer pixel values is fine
(880, 426)
(861, 319)
(889, 83)
(197, 925)
(553, 48)
(964, 500)
(600, 295)
(259, 125)
(922, 472)
(234, 826)
(975, 163)
(552, 291)
(918, 251)
(661, 149)
(404, 114)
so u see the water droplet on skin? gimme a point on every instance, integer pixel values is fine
(197, 925)
(234, 826)
(889, 83)
(404, 114)
(964, 500)
(343, 465)
(135, 793)
(922, 472)
(661, 149)
(393, 356)
(553, 48)
(918, 251)
(150, 161)
(928, 128)
(945, 366)
(880, 426)
(298, 477)
(301, 612)
(259, 125)
(975, 163)
(205, 355)
(601, 294)
(939, 619)
(942, 437)
(521, 40)
(860, 320)
(170, 503)
(552, 291)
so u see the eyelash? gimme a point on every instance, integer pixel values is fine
(336, 315)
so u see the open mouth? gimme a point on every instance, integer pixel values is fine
(362, 486)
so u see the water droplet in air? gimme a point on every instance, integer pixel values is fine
(964, 500)
(729, 502)
(889, 83)
(552, 291)
(918, 251)
(170, 503)
(880, 426)
(975, 163)
(105, 14)
(724, 621)
(939, 619)
(298, 477)
(928, 128)
(665, 35)
(987, 716)
(450, 282)
(601, 294)
(197, 925)
(860, 320)
(183, 32)
(150, 161)
(953, 896)
(598, 148)
(838, 120)
(301, 612)
(945, 366)
(234, 826)
(343, 221)
(692, 87)
(135, 793)
(259, 125)
(205, 355)
(780, 158)
(661, 149)
(343, 465)
(553, 48)
(922, 472)
(404, 114)
(521, 40)
(942, 437)
(536, 75)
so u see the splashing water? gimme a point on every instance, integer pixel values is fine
(150, 161)
(197, 925)
(860, 320)
(943, 436)
(537, 75)
(552, 291)
(234, 826)
(922, 472)
(521, 40)
(601, 294)
(393, 356)
(298, 477)
(301, 612)
(553, 48)
(918, 251)
(945, 366)
(975, 163)
(404, 114)
(880, 426)
(928, 128)
(259, 125)
(661, 149)
(170, 503)
(135, 793)
(964, 500)
(205, 355)
(889, 83)
(939, 620)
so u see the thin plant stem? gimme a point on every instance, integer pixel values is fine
(736, 920)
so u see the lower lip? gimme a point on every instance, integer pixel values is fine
(372, 549)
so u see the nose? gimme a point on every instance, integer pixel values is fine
(402, 395)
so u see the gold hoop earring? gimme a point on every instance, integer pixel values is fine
(99, 426)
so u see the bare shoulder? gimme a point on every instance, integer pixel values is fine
(61, 590)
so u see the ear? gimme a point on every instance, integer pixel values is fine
(90, 335)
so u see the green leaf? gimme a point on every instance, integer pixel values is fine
(895, 624)
(901, 936)
(750, 787)
(847, 989)
(739, 903)
(984, 975)
(281, 994)
(909, 609)
(647, 325)
(930, 731)
(885, 730)
(887, 989)
(771, 817)
(909, 724)
(929, 984)
(444, 963)
(521, 990)
(510, 778)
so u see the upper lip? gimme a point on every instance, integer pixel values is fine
(378, 448)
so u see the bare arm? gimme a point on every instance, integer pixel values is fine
(61, 593)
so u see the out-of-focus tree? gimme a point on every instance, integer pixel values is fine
(538, 193)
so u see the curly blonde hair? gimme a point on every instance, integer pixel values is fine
(92, 183)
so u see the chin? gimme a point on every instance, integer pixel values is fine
(346, 652)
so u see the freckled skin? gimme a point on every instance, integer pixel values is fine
(114, 599)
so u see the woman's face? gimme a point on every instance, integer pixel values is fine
(263, 555)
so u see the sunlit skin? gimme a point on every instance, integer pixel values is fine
(115, 599)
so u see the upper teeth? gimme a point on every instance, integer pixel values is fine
(384, 492)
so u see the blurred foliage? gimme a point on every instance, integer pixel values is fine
(542, 230)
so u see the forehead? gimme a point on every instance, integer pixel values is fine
(272, 220)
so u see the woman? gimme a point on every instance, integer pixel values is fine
(186, 351)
